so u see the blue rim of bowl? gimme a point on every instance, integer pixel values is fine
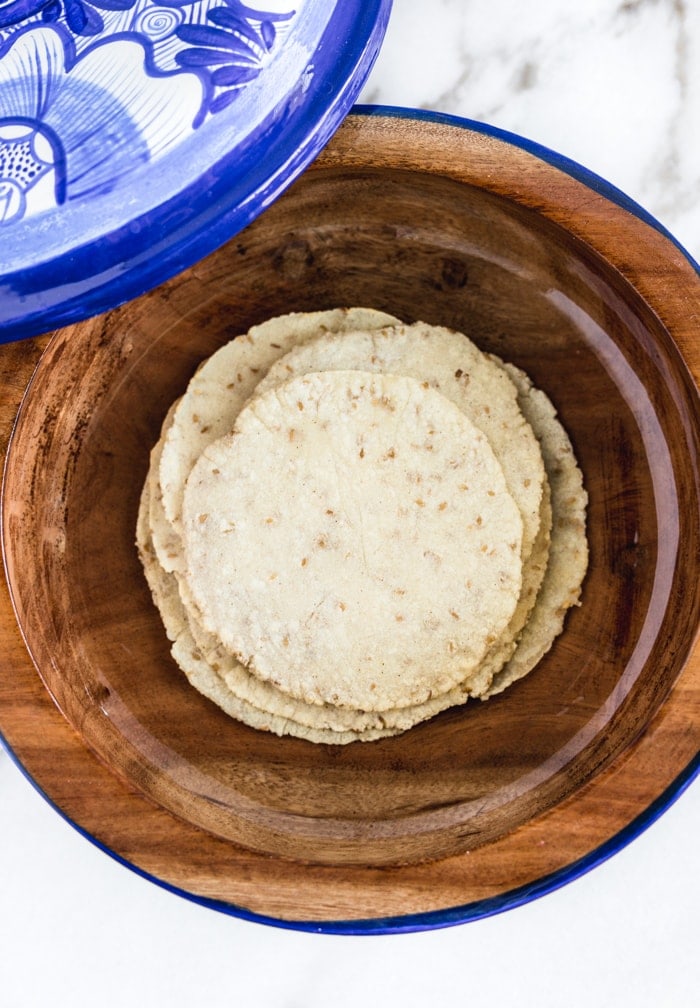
(430, 920)
(90, 279)
(570, 167)
(477, 910)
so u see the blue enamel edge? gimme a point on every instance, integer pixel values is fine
(546, 154)
(431, 920)
(207, 223)
(120, 266)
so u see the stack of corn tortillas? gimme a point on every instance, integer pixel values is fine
(350, 524)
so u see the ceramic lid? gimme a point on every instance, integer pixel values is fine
(136, 136)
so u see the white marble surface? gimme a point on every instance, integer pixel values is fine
(613, 84)
(616, 86)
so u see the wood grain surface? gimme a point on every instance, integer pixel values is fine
(427, 221)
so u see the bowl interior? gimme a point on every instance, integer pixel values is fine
(422, 247)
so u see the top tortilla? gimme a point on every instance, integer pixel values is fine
(456, 367)
(374, 556)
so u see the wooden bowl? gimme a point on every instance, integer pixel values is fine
(484, 805)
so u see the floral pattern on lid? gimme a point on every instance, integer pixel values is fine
(90, 89)
(119, 118)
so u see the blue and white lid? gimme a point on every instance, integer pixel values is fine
(136, 136)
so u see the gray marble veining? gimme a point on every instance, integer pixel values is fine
(613, 84)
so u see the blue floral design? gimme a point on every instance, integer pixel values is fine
(81, 16)
(13, 12)
(77, 122)
(233, 51)
(91, 89)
